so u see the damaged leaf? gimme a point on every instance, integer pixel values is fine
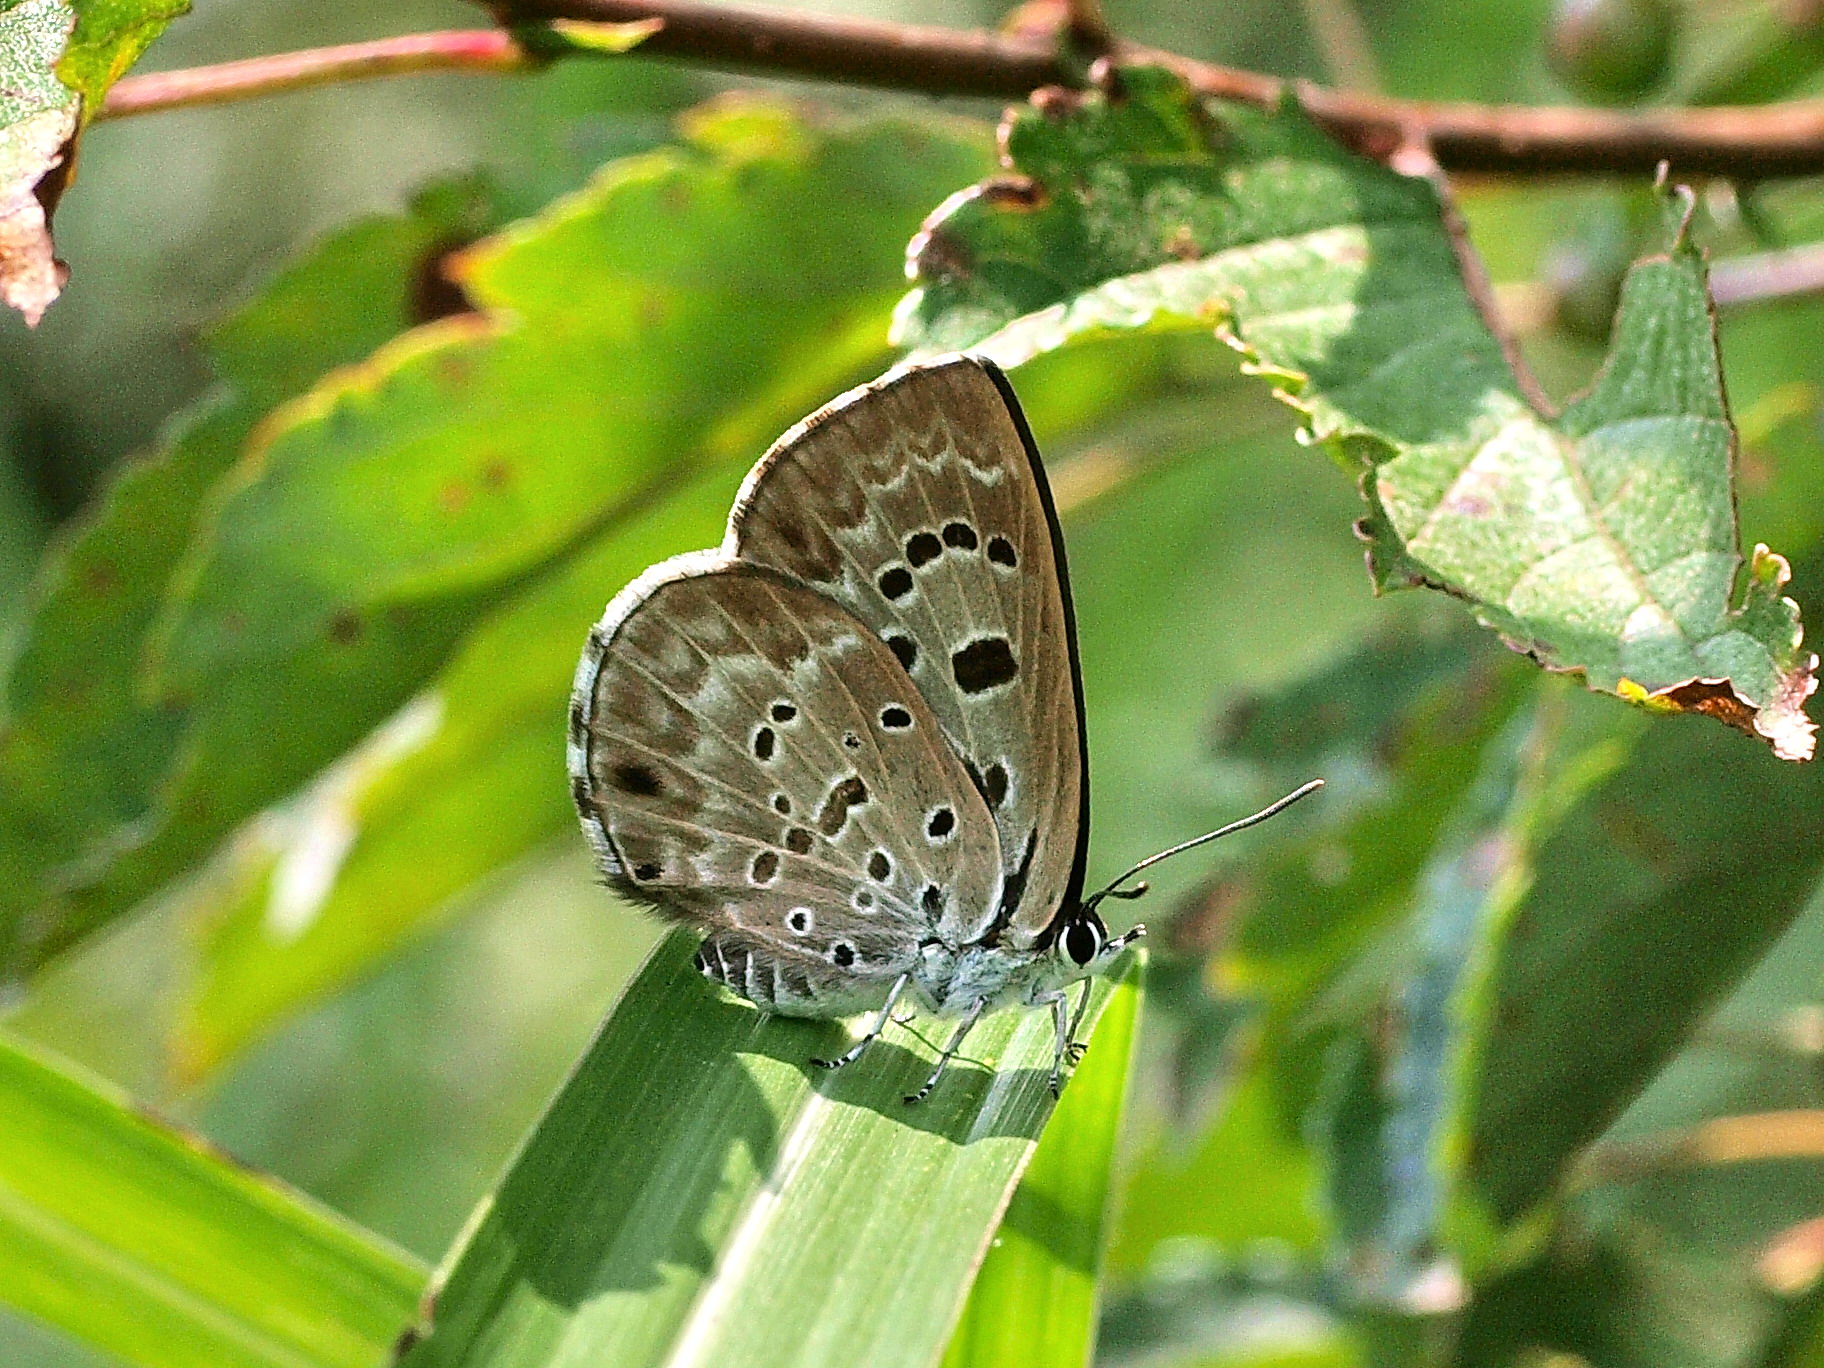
(1601, 541)
(57, 60)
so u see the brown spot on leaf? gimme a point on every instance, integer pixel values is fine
(101, 577)
(1019, 193)
(453, 497)
(1057, 103)
(495, 474)
(435, 291)
(1182, 244)
(454, 369)
(345, 627)
(937, 254)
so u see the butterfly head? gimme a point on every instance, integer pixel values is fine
(1083, 946)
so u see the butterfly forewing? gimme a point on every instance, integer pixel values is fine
(919, 504)
(752, 760)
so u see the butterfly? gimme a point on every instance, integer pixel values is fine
(848, 745)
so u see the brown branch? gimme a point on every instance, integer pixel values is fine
(1749, 142)
(455, 50)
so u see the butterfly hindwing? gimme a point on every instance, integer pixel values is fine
(919, 504)
(751, 760)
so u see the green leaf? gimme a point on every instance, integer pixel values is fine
(1034, 1300)
(627, 322)
(700, 1193)
(1148, 207)
(1622, 1293)
(686, 306)
(1398, 726)
(144, 1242)
(466, 786)
(89, 766)
(57, 60)
(1398, 1107)
(1652, 900)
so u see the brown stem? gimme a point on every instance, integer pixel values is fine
(463, 49)
(1747, 142)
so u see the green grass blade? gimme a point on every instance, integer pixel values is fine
(143, 1242)
(1035, 1299)
(699, 1193)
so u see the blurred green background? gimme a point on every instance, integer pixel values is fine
(1213, 561)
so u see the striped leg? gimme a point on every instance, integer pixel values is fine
(873, 1032)
(943, 1061)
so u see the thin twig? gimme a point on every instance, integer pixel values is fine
(453, 50)
(1750, 143)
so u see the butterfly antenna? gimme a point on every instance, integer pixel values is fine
(1114, 889)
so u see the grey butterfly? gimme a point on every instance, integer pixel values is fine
(848, 745)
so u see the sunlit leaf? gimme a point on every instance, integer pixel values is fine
(1035, 1298)
(699, 1193)
(144, 1242)
(1601, 542)
(629, 378)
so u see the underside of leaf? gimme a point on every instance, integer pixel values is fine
(1600, 542)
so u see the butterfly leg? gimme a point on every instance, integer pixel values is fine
(963, 1028)
(880, 1024)
(1060, 1020)
(1076, 1047)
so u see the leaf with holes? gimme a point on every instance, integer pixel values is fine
(57, 60)
(1601, 541)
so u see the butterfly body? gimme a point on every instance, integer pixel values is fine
(848, 744)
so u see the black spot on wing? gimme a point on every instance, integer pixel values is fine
(880, 868)
(905, 650)
(798, 841)
(647, 872)
(959, 536)
(895, 582)
(766, 867)
(763, 743)
(784, 712)
(895, 718)
(834, 814)
(942, 822)
(640, 780)
(986, 663)
(1001, 552)
(922, 548)
(994, 785)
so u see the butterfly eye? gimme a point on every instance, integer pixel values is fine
(1082, 940)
